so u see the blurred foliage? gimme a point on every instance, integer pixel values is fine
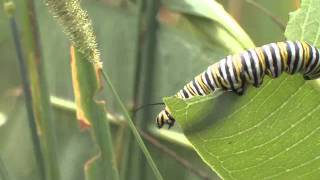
(186, 44)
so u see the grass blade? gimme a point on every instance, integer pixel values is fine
(27, 93)
(39, 89)
(133, 129)
(85, 78)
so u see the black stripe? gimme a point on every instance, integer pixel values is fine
(274, 60)
(169, 115)
(186, 95)
(190, 90)
(196, 87)
(315, 62)
(244, 71)
(203, 85)
(296, 60)
(289, 56)
(221, 78)
(237, 79)
(210, 84)
(254, 70)
(162, 119)
(229, 75)
(266, 60)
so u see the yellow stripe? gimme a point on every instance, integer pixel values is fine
(203, 85)
(261, 57)
(179, 95)
(214, 76)
(236, 60)
(190, 89)
(306, 53)
(217, 75)
(283, 53)
(223, 81)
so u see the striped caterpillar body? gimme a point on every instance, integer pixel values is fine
(234, 72)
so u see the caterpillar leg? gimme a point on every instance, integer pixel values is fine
(241, 86)
(308, 77)
(239, 91)
(170, 122)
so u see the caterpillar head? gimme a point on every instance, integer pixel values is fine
(163, 118)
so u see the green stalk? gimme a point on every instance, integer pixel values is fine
(148, 62)
(39, 89)
(133, 129)
(9, 7)
(132, 154)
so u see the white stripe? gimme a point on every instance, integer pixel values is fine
(204, 79)
(192, 87)
(210, 77)
(233, 78)
(269, 58)
(278, 56)
(248, 63)
(300, 56)
(293, 55)
(316, 69)
(181, 94)
(186, 89)
(199, 87)
(312, 60)
(256, 63)
(224, 73)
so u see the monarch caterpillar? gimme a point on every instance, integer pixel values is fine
(234, 72)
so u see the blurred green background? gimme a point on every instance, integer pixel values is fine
(162, 60)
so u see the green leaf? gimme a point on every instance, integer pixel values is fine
(210, 18)
(40, 94)
(269, 133)
(91, 113)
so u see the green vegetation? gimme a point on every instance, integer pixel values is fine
(78, 123)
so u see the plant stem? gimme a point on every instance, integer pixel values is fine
(133, 129)
(28, 99)
(39, 90)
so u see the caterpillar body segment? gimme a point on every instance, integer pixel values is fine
(235, 72)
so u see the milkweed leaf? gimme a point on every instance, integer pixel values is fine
(269, 133)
